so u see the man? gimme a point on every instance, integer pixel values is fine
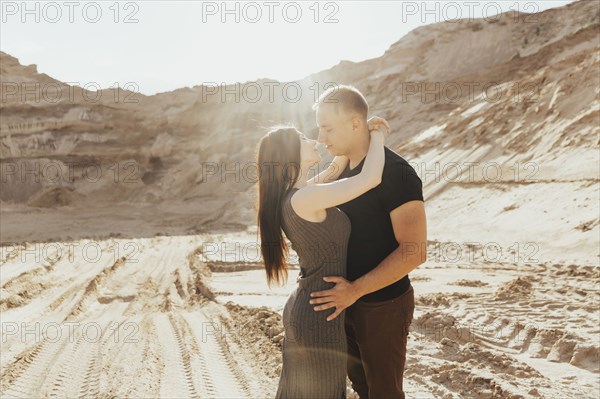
(387, 241)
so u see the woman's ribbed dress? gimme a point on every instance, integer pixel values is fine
(314, 349)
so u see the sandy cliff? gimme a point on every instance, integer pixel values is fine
(499, 117)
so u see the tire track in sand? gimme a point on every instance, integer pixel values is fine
(177, 379)
(79, 371)
(224, 371)
(26, 377)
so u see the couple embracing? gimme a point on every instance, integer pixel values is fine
(358, 229)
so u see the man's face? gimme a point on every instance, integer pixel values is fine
(335, 129)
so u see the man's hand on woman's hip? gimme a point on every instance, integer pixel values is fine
(341, 296)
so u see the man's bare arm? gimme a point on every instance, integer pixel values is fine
(410, 230)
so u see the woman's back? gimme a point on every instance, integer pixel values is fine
(314, 349)
(321, 246)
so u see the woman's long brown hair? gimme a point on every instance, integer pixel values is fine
(278, 171)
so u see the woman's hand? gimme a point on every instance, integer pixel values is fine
(377, 123)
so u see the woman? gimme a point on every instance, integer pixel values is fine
(314, 349)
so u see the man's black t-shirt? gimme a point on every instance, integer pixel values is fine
(372, 236)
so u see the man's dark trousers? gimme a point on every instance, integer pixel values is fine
(377, 334)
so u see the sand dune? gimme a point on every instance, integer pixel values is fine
(130, 157)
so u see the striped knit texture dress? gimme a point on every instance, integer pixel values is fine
(314, 349)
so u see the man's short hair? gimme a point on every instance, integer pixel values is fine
(346, 96)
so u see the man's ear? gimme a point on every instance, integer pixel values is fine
(356, 123)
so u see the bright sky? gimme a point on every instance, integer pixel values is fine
(165, 45)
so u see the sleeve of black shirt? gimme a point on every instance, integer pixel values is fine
(400, 184)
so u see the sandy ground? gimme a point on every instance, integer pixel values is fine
(129, 320)
(500, 329)
(179, 317)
